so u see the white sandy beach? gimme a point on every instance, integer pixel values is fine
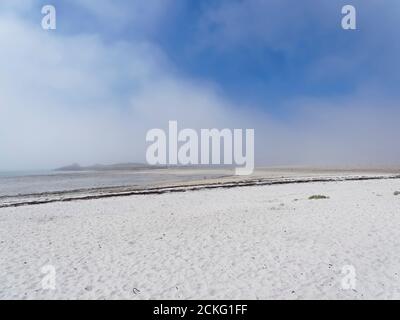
(259, 242)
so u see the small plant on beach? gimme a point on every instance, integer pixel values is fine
(317, 197)
(397, 193)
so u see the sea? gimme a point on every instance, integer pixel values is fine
(35, 182)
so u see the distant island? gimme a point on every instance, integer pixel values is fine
(103, 167)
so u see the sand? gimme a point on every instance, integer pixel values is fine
(258, 242)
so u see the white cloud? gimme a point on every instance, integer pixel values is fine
(73, 98)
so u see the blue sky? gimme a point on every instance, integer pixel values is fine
(286, 68)
(274, 55)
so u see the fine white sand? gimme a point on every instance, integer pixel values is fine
(259, 242)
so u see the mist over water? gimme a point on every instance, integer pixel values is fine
(89, 91)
